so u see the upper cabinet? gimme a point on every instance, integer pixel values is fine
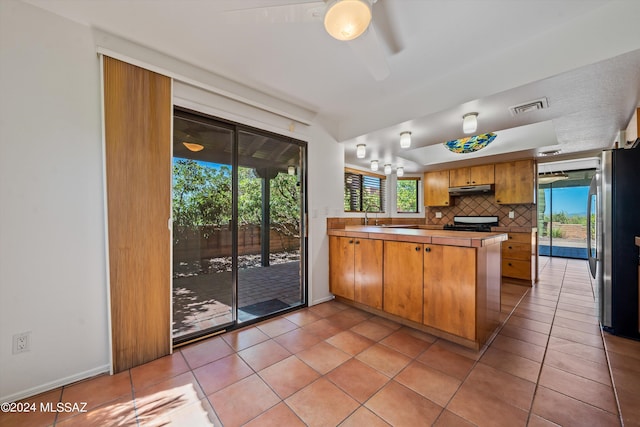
(475, 175)
(436, 189)
(515, 182)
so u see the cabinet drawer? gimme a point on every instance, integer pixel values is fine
(516, 269)
(519, 238)
(521, 251)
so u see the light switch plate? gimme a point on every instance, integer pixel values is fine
(512, 214)
(438, 214)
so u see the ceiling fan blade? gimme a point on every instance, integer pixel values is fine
(382, 16)
(290, 12)
(369, 51)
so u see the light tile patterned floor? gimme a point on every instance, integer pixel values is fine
(334, 365)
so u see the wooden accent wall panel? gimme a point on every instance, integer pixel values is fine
(138, 114)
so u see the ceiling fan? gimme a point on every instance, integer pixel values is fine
(350, 21)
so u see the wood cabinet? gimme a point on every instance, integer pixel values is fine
(403, 272)
(518, 257)
(515, 182)
(355, 269)
(475, 175)
(436, 189)
(450, 289)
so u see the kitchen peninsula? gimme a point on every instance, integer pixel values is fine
(443, 282)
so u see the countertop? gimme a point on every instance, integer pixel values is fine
(413, 234)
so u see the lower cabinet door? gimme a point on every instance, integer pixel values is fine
(450, 289)
(368, 272)
(403, 279)
(341, 268)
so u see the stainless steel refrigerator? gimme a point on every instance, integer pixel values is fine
(613, 221)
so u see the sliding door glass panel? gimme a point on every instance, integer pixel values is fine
(564, 228)
(269, 225)
(202, 227)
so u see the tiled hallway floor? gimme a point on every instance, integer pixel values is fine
(333, 365)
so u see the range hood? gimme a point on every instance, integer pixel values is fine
(470, 189)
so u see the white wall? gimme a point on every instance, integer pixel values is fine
(52, 236)
(52, 256)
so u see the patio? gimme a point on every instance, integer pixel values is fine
(203, 300)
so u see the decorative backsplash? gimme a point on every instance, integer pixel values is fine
(480, 204)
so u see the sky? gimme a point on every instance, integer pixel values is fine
(572, 200)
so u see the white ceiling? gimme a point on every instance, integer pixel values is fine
(446, 57)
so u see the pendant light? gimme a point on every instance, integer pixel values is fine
(400, 171)
(291, 170)
(347, 19)
(387, 169)
(193, 146)
(470, 122)
(361, 151)
(374, 165)
(405, 140)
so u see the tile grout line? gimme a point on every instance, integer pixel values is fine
(546, 347)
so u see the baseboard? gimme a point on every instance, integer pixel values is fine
(54, 384)
(321, 300)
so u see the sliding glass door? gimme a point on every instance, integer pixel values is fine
(562, 213)
(238, 229)
(269, 225)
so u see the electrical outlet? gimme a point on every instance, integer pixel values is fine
(438, 214)
(512, 214)
(21, 342)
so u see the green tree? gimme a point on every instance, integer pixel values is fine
(407, 195)
(201, 195)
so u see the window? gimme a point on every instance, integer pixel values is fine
(363, 191)
(407, 195)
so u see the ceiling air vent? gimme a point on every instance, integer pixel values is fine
(538, 104)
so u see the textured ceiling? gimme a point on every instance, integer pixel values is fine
(447, 57)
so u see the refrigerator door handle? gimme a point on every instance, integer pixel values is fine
(593, 192)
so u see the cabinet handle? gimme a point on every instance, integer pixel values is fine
(473, 182)
(498, 200)
(510, 247)
(509, 264)
(350, 241)
(357, 242)
(427, 249)
(446, 203)
(417, 248)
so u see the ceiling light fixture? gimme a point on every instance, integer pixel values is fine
(361, 151)
(193, 147)
(291, 170)
(347, 19)
(405, 139)
(387, 169)
(549, 153)
(400, 171)
(374, 165)
(470, 122)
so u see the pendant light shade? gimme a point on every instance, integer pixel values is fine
(347, 19)
(405, 139)
(361, 151)
(374, 165)
(193, 147)
(400, 171)
(387, 169)
(291, 170)
(470, 122)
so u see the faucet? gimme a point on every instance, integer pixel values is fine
(366, 218)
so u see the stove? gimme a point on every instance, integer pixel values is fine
(472, 223)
